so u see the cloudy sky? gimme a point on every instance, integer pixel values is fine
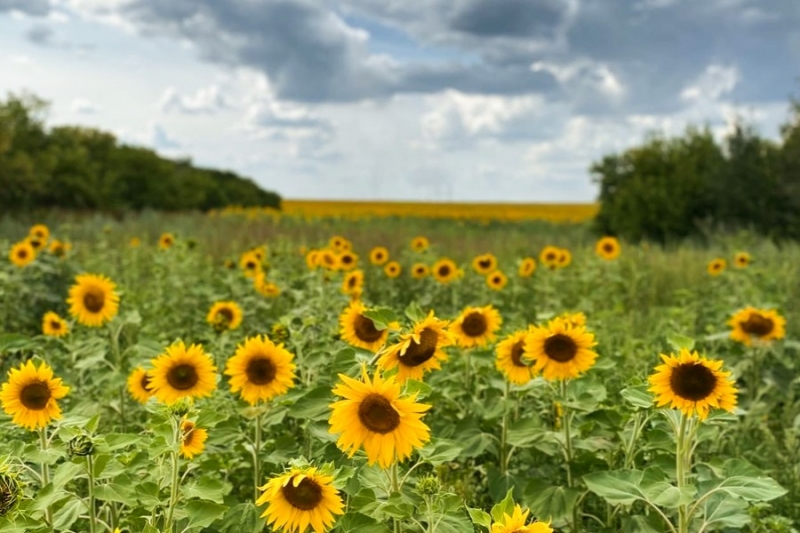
(495, 100)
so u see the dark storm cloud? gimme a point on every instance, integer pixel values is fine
(508, 18)
(29, 7)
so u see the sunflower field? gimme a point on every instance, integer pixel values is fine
(188, 373)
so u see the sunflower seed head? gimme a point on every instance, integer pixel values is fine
(10, 492)
(280, 333)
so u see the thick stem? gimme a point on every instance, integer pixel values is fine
(431, 528)
(467, 370)
(256, 455)
(504, 431)
(48, 514)
(680, 471)
(567, 423)
(173, 497)
(92, 510)
(394, 481)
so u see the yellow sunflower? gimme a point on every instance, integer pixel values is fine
(260, 370)
(757, 325)
(560, 350)
(22, 254)
(193, 439)
(39, 232)
(59, 248)
(716, 266)
(510, 360)
(444, 270)
(250, 264)
(484, 264)
(53, 325)
(36, 243)
(225, 316)
(741, 260)
(347, 260)
(392, 269)
(420, 351)
(420, 270)
(692, 384)
(300, 499)
(353, 283)
(607, 248)
(564, 258)
(419, 244)
(375, 415)
(516, 523)
(265, 287)
(166, 241)
(312, 259)
(574, 319)
(30, 395)
(378, 255)
(93, 300)
(496, 280)
(527, 267)
(182, 372)
(135, 242)
(549, 256)
(339, 244)
(328, 260)
(358, 330)
(139, 385)
(476, 326)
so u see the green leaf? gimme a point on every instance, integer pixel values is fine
(414, 312)
(505, 507)
(421, 389)
(203, 513)
(116, 441)
(113, 493)
(206, 488)
(360, 523)
(382, 317)
(480, 517)
(678, 341)
(726, 511)
(67, 515)
(638, 397)
(439, 451)
(313, 405)
(624, 487)
(550, 503)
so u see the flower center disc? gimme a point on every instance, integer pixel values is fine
(692, 381)
(145, 382)
(260, 371)
(485, 263)
(560, 348)
(516, 353)
(55, 325)
(187, 433)
(35, 396)
(94, 300)
(377, 414)
(365, 329)
(758, 325)
(444, 271)
(608, 248)
(474, 324)
(418, 353)
(182, 377)
(225, 314)
(306, 496)
(22, 254)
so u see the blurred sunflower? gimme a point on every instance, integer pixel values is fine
(353, 283)
(259, 253)
(759, 325)
(182, 372)
(36, 244)
(59, 248)
(560, 350)
(328, 260)
(420, 270)
(420, 351)
(260, 369)
(347, 260)
(375, 415)
(515, 523)
(22, 254)
(485, 263)
(419, 244)
(135, 242)
(527, 267)
(496, 280)
(53, 325)
(193, 439)
(564, 258)
(741, 260)
(476, 326)
(692, 384)
(378, 255)
(266, 287)
(358, 330)
(607, 248)
(166, 241)
(250, 264)
(30, 395)
(312, 259)
(392, 269)
(574, 319)
(337, 243)
(39, 232)
(224, 316)
(299, 499)
(549, 256)
(444, 270)
(139, 385)
(510, 362)
(93, 300)
(716, 266)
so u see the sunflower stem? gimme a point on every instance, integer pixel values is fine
(467, 369)
(680, 471)
(394, 481)
(173, 497)
(48, 514)
(92, 510)
(504, 431)
(567, 418)
(256, 454)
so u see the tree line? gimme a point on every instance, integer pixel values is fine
(84, 168)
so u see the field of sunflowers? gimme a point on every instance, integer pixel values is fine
(191, 373)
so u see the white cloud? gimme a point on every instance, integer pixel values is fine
(206, 100)
(584, 74)
(83, 106)
(712, 84)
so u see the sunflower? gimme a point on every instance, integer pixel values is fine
(445, 270)
(30, 395)
(564, 258)
(312, 259)
(527, 267)
(93, 300)
(515, 523)
(347, 260)
(607, 248)
(392, 269)
(374, 414)
(358, 330)
(59, 248)
(139, 385)
(265, 287)
(328, 259)
(476, 326)
(692, 384)
(549, 256)
(509, 361)
(193, 439)
(353, 283)
(419, 244)
(260, 369)
(166, 241)
(53, 325)
(484, 264)
(574, 319)
(378, 255)
(338, 244)
(39, 232)
(420, 351)
(560, 350)
(716, 266)
(759, 325)
(22, 254)
(250, 264)
(182, 372)
(496, 280)
(259, 253)
(224, 316)
(36, 243)
(135, 242)
(741, 260)
(299, 499)
(420, 270)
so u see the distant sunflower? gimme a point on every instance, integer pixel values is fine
(444, 270)
(328, 260)
(312, 259)
(30, 395)
(22, 254)
(166, 241)
(225, 316)
(358, 330)
(250, 264)
(59, 248)
(93, 300)
(420, 351)
(139, 385)
(484, 264)
(229, 264)
(419, 244)
(549, 256)
(193, 439)
(516, 523)
(510, 361)
(259, 253)
(560, 350)
(741, 260)
(347, 260)
(574, 319)
(527, 267)
(692, 384)
(266, 287)
(182, 372)
(260, 370)
(135, 242)
(36, 243)
(496, 280)
(375, 415)
(353, 283)
(716, 266)
(607, 248)
(378, 255)
(759, 325)
(564, 258)
(337, 243)
(300, 499)
(476, 326)
(53, 325)
(420, 270)
(392, 269)
(39, 232)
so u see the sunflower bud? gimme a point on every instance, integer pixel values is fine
(428, 485)
(181, 408)
(81, 446)
(280, 333)
(10, 492)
